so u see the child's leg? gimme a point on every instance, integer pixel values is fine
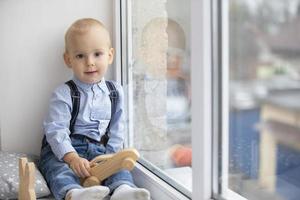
(119, 178)
(123, 187)
(58, 175)
(127, 192)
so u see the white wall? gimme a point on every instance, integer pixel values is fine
(31, 64)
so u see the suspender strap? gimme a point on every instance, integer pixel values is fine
(113, 95)
(75, 95)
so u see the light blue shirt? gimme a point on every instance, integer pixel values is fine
(92, 120)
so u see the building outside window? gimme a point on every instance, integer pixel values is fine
(260, 107)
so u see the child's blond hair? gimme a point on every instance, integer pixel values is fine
(82, 26)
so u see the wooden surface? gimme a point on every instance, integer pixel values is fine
(288, 121)
(101, 168)
(106, 165)
(27, 177)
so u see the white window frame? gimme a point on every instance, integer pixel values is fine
(220, 118)
(201, 68)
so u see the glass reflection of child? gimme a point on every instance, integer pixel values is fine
(178, 91)
(64, 158)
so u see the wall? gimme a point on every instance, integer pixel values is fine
(31, 38)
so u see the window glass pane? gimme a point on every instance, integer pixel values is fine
(264, 90)
(159, 87)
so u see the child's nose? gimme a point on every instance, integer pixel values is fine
(90, 61)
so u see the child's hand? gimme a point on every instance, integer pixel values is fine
(80, 166)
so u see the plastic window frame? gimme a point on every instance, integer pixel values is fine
(220, 77)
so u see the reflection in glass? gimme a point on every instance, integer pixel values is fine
(264, 130)
(161, 88)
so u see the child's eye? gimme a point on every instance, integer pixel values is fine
(97, 54)
(79, 56)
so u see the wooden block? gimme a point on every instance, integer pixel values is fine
(106, 165)
(26, 178)
(289, 121)
(270, 112)
(267, 166)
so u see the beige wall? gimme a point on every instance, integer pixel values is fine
(31, 47)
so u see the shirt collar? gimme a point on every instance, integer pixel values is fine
(87, 86)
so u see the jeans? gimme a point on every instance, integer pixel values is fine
(61, 178)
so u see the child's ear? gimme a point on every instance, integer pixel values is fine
(111, 54)
(67, 59)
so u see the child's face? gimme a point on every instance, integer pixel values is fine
(89, 55)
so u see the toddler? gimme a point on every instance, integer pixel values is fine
(85, 120)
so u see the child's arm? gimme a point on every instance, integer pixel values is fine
(56, 124)
(57, 131)
(116, 137)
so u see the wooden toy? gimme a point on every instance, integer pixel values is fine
(101, 168)
(106, 165)
(27, 176)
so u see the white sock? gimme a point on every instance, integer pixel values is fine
(92, 193)
(126, 192)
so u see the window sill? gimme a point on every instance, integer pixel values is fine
(157, 187)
